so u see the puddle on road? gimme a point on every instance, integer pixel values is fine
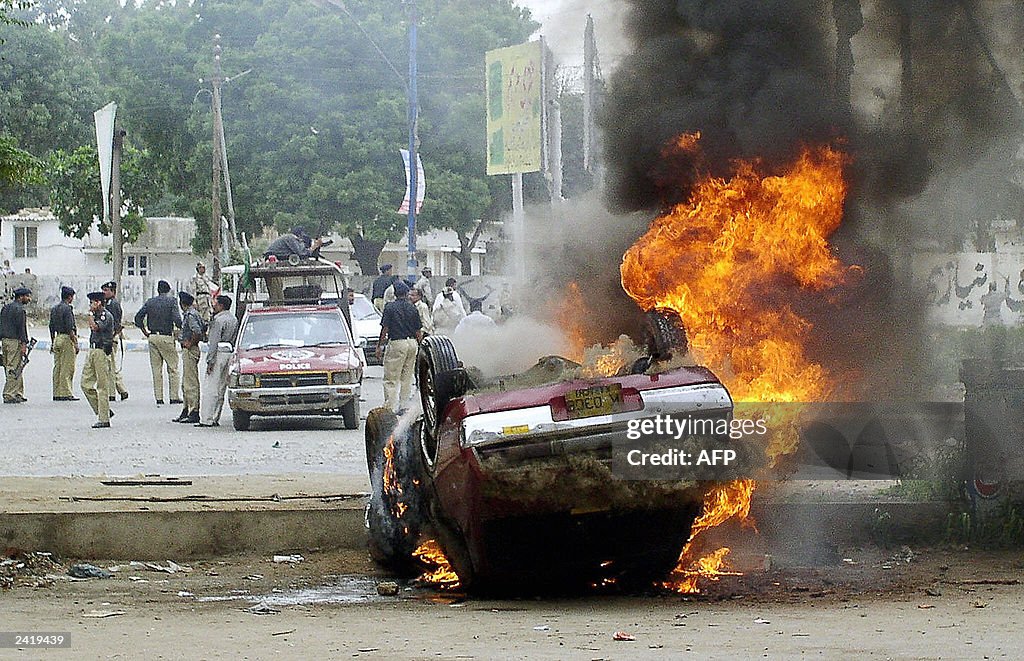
(344, 590)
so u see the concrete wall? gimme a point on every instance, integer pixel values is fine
(954, 283)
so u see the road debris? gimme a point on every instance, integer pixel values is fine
(262, 608)
(292, 559)
(30, 567)
(543, 627)
(85, 570)
(284, 633)
(102, 614)
(170, 568)
(623, 636)
(387, 588)
(761, 620)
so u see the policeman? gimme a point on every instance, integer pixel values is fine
(380, 285)
(192, 332)
(201, 286)
(223, 328)
(402, 330)
(63, 346)
(96, 372)
(114, 306)
(14, 344)
(157, 319)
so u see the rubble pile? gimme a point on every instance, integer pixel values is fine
(28, 568)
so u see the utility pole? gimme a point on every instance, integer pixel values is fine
(116, 234)
(589, 60)
(413, 121)
(217, 161)
(232, 232)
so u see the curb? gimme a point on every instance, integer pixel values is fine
(186, 534)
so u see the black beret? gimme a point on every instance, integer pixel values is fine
(110, 284)
(186, 298)
(163, 286)
(66, 291)
(22, 291)
(96, 296)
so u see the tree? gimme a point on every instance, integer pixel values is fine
(75, 199)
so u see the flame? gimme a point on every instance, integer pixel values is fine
(714, 259)
(724, 260)
(568, 316)
(392, 485)
(439, 573)
(724, 502)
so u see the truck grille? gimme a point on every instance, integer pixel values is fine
(294, 380)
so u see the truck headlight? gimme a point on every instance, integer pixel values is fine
(341, 378)
(247, 380)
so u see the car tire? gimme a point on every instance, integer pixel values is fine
(241, 420)
(441, 379)
(664, 333)
(350, 413)
(392, 536)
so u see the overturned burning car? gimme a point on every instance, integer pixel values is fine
(513, 475)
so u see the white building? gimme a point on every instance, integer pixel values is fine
(437, 249)
(31, 239)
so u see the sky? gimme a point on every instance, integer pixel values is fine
(563, 22)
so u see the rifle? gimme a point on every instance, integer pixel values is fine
(24, 359)
(319, 235)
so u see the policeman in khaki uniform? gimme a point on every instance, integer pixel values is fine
(157, 319)
(96, 373)
(14, 344)
(63, 346)
(114, 306)
(192, 332)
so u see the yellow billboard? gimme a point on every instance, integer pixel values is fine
(514, 83)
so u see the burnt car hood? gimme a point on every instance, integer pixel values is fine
(518, 398)
(286, 359)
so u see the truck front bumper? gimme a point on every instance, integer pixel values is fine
(287, 401)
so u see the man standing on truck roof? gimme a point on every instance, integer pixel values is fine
(296, 242)
(157, 320)
(401, 329)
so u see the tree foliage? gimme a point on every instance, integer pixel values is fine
(75, 199)
(313, 131)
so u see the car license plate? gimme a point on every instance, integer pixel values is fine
(588, 402)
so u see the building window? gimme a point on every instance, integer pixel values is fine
(137, 264)
(25, 241)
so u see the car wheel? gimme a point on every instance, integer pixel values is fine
(241, 420)
(394, 514)
(436, 369)
(350, 413)
(664, 333)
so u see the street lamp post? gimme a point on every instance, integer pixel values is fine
(413, 120)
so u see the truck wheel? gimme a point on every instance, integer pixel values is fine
(240, 420)
(350, 413)
(436, 369)
(664, 333)
(394, 514)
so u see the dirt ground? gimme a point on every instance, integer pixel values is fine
(871, 602)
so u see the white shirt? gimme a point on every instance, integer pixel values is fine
(474, 322)
(448, 313)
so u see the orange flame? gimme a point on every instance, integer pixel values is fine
(715, 258)
(439, 573)
(721, 260)
(392, 485)
(568, 316)
(722, 503)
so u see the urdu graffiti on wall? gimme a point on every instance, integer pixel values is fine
(972, 289)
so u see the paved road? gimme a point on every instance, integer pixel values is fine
(47, 438)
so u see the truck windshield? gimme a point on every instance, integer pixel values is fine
(286, 330)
